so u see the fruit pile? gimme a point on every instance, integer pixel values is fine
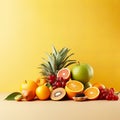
(58, 82)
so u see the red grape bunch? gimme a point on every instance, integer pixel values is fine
(56, 81)
(107, 94)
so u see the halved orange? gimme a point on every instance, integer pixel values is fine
(64, 73)
(73, 87)
(92, 93)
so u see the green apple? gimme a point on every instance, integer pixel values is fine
(82, 72)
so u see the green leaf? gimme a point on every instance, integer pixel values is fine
(64, 51)
(54, 51)
(68, 56)
(48, 85)
(45, 67)
(69, 64)
(12, 96)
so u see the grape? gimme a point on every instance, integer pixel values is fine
(58, 84)
(60, 78)
(112, 90)
(100, 97)
(116, 97)
(51, 81)
(56, 81)
(108, 97)
(51, 77)
(107, 94)
(63, 84)
(101, 88)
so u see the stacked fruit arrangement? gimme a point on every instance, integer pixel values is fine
(57, 82)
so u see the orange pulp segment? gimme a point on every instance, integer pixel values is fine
(64, 73)
(73, 87)
(92, 92)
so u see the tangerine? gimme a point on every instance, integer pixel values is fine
(28, 85)
(64, 73)
(40, 81)
(92, 93)
(73, 87)
(43, 92)
(98, 85)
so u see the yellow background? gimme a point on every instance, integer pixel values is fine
(28, 29)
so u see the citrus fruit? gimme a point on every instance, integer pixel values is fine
(28, 94)
(98, 85)
(29, 88)
(40, 81)
(43, 92)
(92, 92)
(49, 86)
(64, 73)
(73, 87)
(82, 72)
(28, 85)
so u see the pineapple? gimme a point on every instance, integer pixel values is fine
(56, 61)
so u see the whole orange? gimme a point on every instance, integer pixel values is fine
(43, 92)
(41, 81)
(29, 85)
(98, 85)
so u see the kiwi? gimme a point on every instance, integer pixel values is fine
(58, 94)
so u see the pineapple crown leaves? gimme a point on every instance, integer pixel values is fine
(48, 66)
(62, 57)
(56, 61)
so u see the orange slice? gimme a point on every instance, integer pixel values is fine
(92, 93)
(73, 87)
(64, 73)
